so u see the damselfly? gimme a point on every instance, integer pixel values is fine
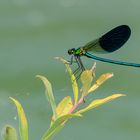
(109, 42)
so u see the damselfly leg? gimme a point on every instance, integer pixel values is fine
(77, 72)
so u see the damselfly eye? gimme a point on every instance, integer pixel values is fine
(71, 51)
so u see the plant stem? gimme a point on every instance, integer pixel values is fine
(81, 100)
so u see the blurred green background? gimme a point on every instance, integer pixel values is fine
(33, 32)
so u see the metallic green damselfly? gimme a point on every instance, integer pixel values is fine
(109, 42)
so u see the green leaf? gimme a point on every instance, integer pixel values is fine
(86, 80)
(64, 106)
(98, 102)
(57, 126)
(49, 94)
(23, 124)
(100, 81)
(9, 133)
(73, 79)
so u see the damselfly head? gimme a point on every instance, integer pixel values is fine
(71, 51)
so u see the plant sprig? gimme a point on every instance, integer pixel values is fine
(68, 107)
